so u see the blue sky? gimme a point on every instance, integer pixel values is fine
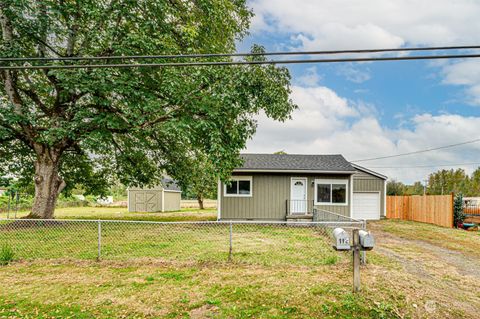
(374, 109)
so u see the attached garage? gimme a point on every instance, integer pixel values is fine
(366, 206)
(162, 198)
(369, 193)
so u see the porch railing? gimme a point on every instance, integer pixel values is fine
(299, 207)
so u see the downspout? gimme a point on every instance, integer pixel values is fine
(351, 196)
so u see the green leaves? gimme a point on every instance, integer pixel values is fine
(135, 123)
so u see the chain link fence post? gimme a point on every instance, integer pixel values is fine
(99, 253)
(231, 248)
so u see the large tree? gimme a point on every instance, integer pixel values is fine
(62, 128)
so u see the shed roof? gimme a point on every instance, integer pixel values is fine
(170, 185)
(295, 163)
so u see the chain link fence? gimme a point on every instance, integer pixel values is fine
(266, 243)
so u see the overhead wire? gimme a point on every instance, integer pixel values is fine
(232, 63)
(417, 152)
(246, 54)
(427, 166)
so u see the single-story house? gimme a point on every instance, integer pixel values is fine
(163, 198)
(284, 187)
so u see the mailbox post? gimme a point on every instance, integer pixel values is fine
(356, 261)
(362, 241)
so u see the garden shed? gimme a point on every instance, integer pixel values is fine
(163, 198)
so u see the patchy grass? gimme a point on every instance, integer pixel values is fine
(275, 273)
(150, 290)
(454, 239)
(112, 213)
(256, 244)
(6, 254)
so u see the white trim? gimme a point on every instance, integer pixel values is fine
(366, 170)
(351, 195)
(219, 199)
(379, 201)
(163, 200)
(287, 171)
(128, 200)
(171, 191)
(239, 178)
(384, 198)
(331, 181)
(306, 192)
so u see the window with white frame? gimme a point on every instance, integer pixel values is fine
(331, 192)
(239, 186)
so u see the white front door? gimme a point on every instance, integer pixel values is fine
(298, 196)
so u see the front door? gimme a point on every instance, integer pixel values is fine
(298, 196)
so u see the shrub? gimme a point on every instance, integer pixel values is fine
(458, 213)
(6, 255)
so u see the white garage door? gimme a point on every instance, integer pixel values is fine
(366, 205)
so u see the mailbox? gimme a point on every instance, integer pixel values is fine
(366, 240)
(341, 241)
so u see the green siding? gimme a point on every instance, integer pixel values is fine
(270, 193)
(364, 182)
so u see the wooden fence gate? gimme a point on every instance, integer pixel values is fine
(432, 209)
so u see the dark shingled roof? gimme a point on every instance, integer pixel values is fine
(170, 185)
(295, 162)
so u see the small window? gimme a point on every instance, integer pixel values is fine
(331, 192)
(299, 183)
(239, 186)
(323, 193)
(339, 193)
(232, 187)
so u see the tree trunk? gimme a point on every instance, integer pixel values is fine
(200, 201)
(48, 185)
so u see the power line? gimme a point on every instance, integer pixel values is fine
(232, 63)
(418, 152)
(217, 55)
(427, 166)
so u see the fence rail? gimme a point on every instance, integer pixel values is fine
(432, 209)
(247, 242)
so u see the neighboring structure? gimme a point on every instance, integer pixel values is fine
(163, 198)
(284, 187)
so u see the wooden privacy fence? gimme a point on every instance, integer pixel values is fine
(432, 209)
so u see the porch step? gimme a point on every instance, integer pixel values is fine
(300, 218)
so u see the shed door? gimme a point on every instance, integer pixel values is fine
(366, 206)
(298, 196)
(146, 201)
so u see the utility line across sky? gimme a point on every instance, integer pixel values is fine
(417, 152)
(247, 54)
(427, 166)
(232, 63)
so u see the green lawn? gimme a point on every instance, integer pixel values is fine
(178, 271)
(112, 213)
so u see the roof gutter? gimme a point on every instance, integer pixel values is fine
(246, 170)
(366, 170)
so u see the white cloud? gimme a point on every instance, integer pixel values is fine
(327, 123)
(465, 73)
(354, 74)
(310, 77)
(333, 24)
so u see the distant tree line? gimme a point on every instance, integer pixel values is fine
(440, 182)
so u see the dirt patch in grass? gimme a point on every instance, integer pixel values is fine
(408, 275)
(448, 273)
